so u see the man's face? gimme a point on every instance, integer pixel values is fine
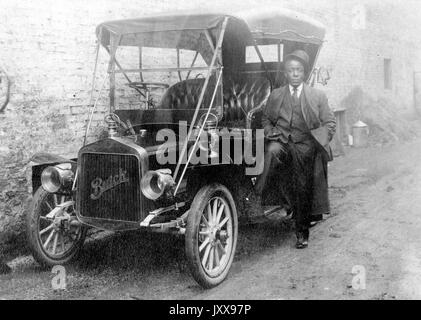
(295, 72)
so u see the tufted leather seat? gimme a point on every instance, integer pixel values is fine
(185, 94)
(240, 97)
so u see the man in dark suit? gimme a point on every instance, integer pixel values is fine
(299, 125)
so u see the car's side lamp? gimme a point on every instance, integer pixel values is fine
(57, 178)
(155, 182)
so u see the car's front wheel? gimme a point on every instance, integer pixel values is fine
(211, 235)
(54, 234)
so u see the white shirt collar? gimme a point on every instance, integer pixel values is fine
(299, 89)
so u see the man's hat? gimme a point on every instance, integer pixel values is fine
(301, 56)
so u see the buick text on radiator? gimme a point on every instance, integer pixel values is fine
(99, 186)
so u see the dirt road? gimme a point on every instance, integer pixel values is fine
(374, 228)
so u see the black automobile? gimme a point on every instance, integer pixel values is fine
(182, 139)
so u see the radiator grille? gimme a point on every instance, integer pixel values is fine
(109, 187)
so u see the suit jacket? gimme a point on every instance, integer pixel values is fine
(317, 114)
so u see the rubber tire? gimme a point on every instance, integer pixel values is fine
(192, 232)
(34, 244)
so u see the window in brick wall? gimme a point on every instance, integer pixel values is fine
(387, 73)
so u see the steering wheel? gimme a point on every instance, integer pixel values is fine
(199, 74)
(147, 85)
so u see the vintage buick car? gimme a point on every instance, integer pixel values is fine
(196, 80)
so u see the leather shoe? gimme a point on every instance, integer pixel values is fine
(302, 240)
(301, 244)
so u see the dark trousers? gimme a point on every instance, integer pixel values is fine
(298, 161)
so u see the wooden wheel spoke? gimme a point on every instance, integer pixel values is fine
(48, 205)
(212, 250)
(46, 229)
(62, 243)
(216, 256)
(221, 247)
(55, 243)
(223, 222)
(205, 220)
(215, 208)
(44, 218)
(55, 200)
(49, 239)
(209, 211)
(205, 256)
(221, 209)
(204, 244)
(68, 237)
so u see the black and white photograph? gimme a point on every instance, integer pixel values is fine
(210, 150)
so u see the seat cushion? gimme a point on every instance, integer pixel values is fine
(240, 97)
(243, 96)
(185, 94)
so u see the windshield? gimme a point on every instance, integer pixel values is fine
(160, 60)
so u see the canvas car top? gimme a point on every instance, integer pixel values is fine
(273, 22)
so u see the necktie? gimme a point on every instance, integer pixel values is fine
(295, 94)
(295, 102)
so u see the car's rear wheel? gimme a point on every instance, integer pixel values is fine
(53, 237)
(211, 235)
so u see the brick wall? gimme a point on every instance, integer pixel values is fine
(48, 49)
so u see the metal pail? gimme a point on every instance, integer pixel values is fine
(360, 134)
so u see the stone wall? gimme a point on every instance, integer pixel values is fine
(48, 50)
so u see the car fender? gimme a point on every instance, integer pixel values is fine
(40, 161)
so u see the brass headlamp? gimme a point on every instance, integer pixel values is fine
(57, 178)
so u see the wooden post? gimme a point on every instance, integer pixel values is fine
(192, 64)
(178, 64)
(114, 42)
(140, 64)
